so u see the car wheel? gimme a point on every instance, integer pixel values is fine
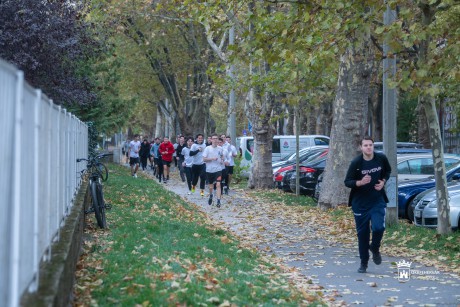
(409, 211)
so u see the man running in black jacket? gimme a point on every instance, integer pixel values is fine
(366, 176)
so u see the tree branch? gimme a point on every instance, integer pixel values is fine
(376, 43)
(213, 45)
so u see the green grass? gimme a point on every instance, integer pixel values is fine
(288, 199)
(161, 251)
(242, 183)
(424, 244)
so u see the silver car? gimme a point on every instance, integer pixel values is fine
(420, 166)
(426, 210)
(410, 167)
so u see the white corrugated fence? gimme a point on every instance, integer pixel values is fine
(38, 179)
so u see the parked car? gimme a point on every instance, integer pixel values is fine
(421, 195)
(282, 146)
(318, 186)
(308, 175)
(419, 166)
(404, 148)
(304, 153)
(408, 190)
(278, 176)
(426, 209)
(411, 167)
(406, 145)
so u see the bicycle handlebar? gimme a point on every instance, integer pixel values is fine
(95, 167)
(95, 158)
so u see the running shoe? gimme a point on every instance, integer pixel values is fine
(218, 203)
(193, 189)
(135, 175)
(210, 200)
(376, 257)
(362, 268)
(202, 193)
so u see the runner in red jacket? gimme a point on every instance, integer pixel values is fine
(166, 150)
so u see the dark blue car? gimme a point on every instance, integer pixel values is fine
(409, 189)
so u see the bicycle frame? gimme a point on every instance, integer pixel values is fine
(94, 170)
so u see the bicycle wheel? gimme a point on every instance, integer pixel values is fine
(103, 171)
(101, 203)
(96, 206)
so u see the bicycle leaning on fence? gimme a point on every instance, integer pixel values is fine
(97, 173)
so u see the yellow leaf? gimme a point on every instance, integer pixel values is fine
(175, 285)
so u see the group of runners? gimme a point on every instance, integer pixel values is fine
(209, 162)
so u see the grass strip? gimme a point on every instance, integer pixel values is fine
(161, 251)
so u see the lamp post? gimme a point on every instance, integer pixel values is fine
(389, 123)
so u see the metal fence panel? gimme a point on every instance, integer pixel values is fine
(27, 189)
(38, 181)
(9, 77)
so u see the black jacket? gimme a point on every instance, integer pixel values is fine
(354, 173)
(144, 151)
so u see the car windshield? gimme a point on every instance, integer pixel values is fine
(302, 152)
(292, 156)
(452, 166)
(449, 168)
(316, 157)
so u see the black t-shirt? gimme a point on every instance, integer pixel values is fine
(179, 151)
(367, 196)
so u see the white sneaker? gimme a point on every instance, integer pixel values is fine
(135, 175)
(189, 193)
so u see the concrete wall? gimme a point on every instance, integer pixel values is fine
(57, 276)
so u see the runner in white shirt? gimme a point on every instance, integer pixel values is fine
(188, 162)
(224, 166)
(232, 153)
(213, 156)
(134, 147)
(198, 167)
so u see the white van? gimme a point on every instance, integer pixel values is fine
(283, 146)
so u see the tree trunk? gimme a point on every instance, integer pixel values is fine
(429, 105)
(261, 175)
(258, 108)
(324, 121)
(349, 123)
(158, 125)
(290, 120)
(310, 119)
(423, 134)
(376, 103)
(442, 195)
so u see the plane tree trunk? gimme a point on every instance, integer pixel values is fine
(349, 124)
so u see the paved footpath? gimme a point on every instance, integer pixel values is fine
(325, 266)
